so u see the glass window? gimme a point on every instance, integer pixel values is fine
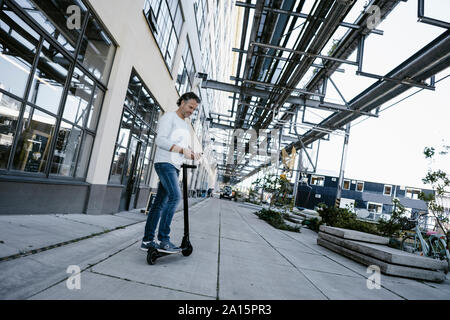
(387, 190)
(374, 207)
(140, 124)
(94, 112)
(9, 115)
(34, 141)
(130, 157)
(360, 186)
(58, 18)
(78, 98)
(125, 129)
(146, 104)
(67, 145)
(137, 127)
(317, 180)
(97, 51)
(49, 79)
(134, 87)
(346, 185)
(118, 165)
(200, 12)
(186, 71)
(412, 193)
(165, 18)
(146, 169)
(84, 156)
(18, 46)
(35, 60)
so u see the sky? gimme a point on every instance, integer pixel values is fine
(389, 149)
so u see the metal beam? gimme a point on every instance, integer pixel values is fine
(222, 86)
(305, 16)
(432, 21)
(311, 55)
(408, 82)
(282, 59)
(266, 84)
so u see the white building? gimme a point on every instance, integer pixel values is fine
(83, 85)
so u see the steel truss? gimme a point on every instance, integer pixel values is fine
(268, 96)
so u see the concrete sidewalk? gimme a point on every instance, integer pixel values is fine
(236, 256)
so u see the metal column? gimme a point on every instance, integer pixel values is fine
(342, 169)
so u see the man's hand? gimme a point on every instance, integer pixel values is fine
(189, 154)
(197, 155)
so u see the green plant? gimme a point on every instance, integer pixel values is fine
(312, 223)
(344, 218)
(396, 223)
(253, 196)
(275, 219)
(440, 184)
(279, 187)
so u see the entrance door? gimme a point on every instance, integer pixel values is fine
(131, 177)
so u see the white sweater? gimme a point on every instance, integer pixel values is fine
(171, 130)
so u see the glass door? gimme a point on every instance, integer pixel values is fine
(130, 177)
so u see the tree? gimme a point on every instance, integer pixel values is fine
(440, 184)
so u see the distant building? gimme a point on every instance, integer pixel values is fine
(370, 200)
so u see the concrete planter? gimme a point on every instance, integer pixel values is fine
(370, 249)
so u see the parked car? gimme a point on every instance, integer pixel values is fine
(226, 192)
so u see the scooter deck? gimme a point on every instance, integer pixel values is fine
(154, 253)
(160, 251)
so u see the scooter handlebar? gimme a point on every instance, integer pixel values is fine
(189, 166)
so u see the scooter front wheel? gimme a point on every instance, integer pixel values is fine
(187, 251)
(152, 255)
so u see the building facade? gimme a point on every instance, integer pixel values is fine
(82, 86)
(370, 200)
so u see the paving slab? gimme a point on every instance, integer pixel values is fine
(249, 280)
(354, 235)
(316, 262)
(33, 232)
(97, 286)
(107, 222)
(234, 228)
(195, 274)
(339, 287)
(260, 252)
(416, 290)
(22, 278)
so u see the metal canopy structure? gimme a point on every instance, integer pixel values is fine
(283, 72)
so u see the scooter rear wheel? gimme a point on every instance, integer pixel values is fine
(152, 255)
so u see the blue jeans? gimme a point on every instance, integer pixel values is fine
(167, 198)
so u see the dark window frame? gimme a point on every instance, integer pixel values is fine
(73, 63)
(188, 51)
(152, 23)
(204, 15)
(145, 143)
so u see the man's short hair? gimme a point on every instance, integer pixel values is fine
(188, 96)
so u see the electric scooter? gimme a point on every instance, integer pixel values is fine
(186, 247)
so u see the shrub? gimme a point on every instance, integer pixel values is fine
(312, 223)
(275, 219)
(344, 218)
(396, 223)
